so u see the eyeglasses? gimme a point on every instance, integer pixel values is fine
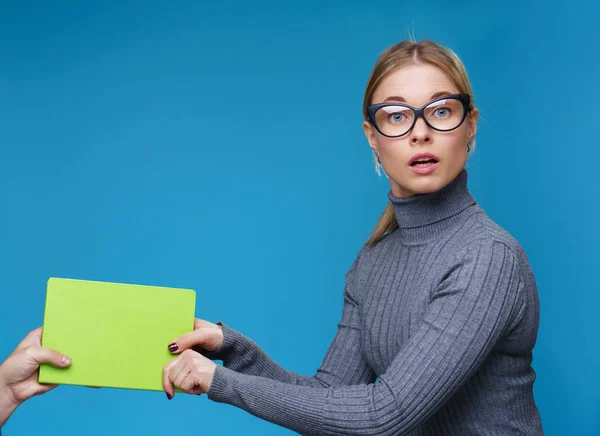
(442, 114)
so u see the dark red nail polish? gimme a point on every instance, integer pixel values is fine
(169, 396)
(173, 347)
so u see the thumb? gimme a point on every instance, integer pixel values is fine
(197, 337)
(47, 355)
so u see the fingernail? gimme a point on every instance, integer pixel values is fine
(173, 347)
(169, 396)
(65, 360)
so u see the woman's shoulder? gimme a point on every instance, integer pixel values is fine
(491, 230)
(485, 234)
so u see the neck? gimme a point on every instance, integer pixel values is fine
(426, 216)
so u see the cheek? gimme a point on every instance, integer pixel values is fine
(394, 150)
(456, 145)
(454, 154)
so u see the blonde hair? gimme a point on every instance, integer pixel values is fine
(403, 54)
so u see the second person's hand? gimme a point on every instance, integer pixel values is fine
(19, 373)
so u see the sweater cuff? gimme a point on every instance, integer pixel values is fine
(221, 390)
(298, 408)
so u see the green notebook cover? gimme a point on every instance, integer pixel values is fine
(116, 334)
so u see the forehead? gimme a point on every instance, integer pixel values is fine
(416, 83)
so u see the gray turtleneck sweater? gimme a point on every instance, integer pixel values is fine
(436, 336)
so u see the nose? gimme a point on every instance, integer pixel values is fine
(420, 133)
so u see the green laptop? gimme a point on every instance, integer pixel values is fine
(116, 334)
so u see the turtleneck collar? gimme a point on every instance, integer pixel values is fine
(424, 216)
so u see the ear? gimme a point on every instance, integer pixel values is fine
(472, 123)
(370, 134)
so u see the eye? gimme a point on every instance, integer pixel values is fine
(443, 112)
(395, 117)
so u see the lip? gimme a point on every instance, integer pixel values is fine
(421, 155)
(427, 169)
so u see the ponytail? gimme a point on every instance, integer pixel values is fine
(387, 223)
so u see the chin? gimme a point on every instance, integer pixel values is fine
(425, 185)
(422, 184)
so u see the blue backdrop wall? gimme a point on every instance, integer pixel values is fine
(219, 147)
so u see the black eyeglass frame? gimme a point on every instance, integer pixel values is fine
(465, 99)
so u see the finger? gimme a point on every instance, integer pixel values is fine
(190, 380)
(179, 370)
(167, 384)
(190, 384)
(42, 389)
(174, 373)
(47, 355)
(187, 341)
(200, 323)
(180, 376)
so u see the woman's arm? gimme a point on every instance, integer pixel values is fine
(343, 364)
(469, 311)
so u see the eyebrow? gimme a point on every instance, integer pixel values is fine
(401, 99)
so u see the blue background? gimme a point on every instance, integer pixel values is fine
(220, 148)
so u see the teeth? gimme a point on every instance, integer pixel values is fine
(422, 161)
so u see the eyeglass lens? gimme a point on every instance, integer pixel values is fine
(396, 120)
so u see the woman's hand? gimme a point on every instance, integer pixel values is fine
(207, 335)
(19, 372)
(190, 371)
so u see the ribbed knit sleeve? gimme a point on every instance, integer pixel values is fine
(343, 364)
(476, 301)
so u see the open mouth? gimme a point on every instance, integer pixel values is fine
(423, 162)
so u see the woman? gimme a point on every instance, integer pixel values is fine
(440, 307)
(19, 373)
